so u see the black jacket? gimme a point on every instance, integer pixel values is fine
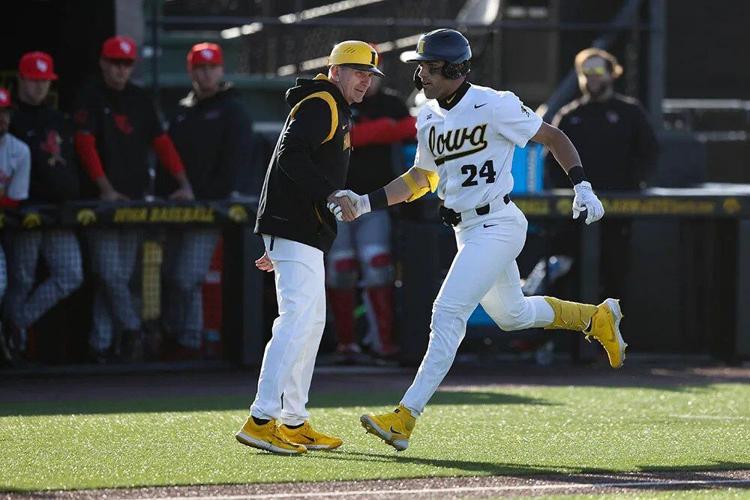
(309, 163)
(214, 138)
(616, 142)
(54, 173)
(124, 124)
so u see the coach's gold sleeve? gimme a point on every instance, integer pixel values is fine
(418, 191)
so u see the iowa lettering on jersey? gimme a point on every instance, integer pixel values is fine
(448, 145)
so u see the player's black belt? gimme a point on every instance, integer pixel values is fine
(452, 218)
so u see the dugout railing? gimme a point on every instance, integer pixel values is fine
(232, 293)
(690, 280)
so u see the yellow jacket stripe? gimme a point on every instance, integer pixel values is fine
(334, 111)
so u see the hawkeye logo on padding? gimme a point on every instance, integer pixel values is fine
(449, 145)
(86, 217)
(731, 206)
(31, 220)
(238, 213)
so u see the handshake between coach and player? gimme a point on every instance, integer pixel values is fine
(347, 205)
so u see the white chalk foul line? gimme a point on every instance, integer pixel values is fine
(711, 417)
(469, 489)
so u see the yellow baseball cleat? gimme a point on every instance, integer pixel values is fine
(309, 437)
(605, 328)
(267, 437)
(394, 428)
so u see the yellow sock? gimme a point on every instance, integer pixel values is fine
(570, 315)
(406, 417)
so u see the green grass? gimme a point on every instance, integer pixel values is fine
(516, 431)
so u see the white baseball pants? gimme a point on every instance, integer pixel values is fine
(484, 271)
(289, 358)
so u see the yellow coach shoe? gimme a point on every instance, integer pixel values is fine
(310, 438)
(394, 428)
(605, 328)
(267, 437)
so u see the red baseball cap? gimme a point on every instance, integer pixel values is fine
(37, 66)
(119, 47)
(4, 98)
(205, 53)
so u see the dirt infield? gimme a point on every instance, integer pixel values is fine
(330, 379)
(456, 487)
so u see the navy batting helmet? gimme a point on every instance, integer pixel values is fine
(444, 45)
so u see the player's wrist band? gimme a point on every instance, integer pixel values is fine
(576, 175)
(378, 199)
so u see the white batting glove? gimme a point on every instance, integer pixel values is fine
(334, 208)
(361, 204)
(585, 199)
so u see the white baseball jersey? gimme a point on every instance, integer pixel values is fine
(471, 145)
(15, 167)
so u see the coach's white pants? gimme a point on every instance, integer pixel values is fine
(289, 357)
(484, 271)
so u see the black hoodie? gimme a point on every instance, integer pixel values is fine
(309, 163)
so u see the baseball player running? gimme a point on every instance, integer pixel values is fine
(466, 136)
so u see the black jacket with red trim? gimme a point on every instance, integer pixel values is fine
(309, 163)
(124, 125)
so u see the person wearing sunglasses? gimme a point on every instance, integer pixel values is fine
(612, 131)
(617, 144)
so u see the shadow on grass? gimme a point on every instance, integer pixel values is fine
(391, 399)
(702, 472)
(240, 404)
(645, 478)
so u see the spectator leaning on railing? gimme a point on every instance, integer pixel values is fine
(213, 135)
(619, 148)
(116, 125)
(15, 163)
(54, 179)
